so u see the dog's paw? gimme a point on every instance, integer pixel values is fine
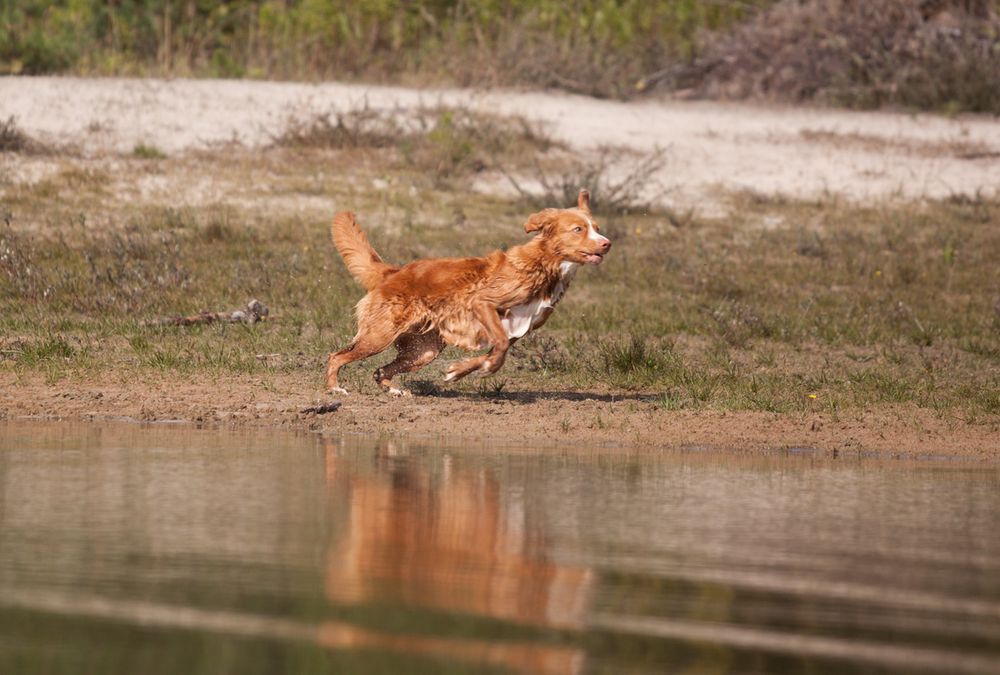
(338, 390)
(395, 391)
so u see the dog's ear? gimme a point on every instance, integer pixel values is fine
(583, 200)
(539, 220)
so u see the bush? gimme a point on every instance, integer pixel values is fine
(941, 55)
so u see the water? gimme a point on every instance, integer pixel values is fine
(126, 549)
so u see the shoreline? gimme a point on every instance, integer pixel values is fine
(630, 423)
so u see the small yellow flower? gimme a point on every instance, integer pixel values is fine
(878, 273)
(813, 396)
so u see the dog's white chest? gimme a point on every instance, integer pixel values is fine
(522, 318)
(519, 320)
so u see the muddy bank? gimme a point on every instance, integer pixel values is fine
(520, 418)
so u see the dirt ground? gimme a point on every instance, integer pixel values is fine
(710, 148)
(518, 419)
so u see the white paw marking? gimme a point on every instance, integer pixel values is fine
(338, 390)
(486, 366)
(450, 375)
(394, 391)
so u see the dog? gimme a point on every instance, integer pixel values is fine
(472, 303)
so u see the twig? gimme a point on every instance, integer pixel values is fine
(255, 311)
(322, 409)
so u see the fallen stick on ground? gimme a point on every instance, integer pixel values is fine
(324, 408)
(255, 311)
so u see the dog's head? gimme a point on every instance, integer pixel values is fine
(571, 233)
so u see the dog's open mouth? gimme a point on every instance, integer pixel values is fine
(594, 258)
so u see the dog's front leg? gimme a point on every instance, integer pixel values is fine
(491, 362)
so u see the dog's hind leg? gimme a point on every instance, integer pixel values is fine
(364, 345)
(488, 363)
(415, 350)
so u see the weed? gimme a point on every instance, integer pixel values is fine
(38, 353)
(491, 387)
(669, 402)
(423, 387)
(542, 353)
(632, 363)
(146, 151)
(870, 386)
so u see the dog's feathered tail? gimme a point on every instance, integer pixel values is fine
(362, 261)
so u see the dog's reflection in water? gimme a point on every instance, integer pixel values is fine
(446, 540)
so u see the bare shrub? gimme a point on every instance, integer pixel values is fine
(943, 54)
(619, 183)
(363, 127)
(13, 139)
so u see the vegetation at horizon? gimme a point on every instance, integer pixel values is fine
(942, 55)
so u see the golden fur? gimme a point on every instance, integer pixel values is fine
(471, 303)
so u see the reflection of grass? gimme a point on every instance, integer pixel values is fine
(829, 307)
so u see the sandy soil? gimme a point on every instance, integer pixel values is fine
(520, 419)
(802, 152)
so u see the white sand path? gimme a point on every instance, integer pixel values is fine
(801, 152)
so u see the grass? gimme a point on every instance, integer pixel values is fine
(588, 46)
(832, 307)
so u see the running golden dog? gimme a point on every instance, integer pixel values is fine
(473, 303)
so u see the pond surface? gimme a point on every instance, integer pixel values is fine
(128, 549)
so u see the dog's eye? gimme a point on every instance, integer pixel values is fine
(578, 229)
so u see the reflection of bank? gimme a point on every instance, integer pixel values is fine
(445, 540)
